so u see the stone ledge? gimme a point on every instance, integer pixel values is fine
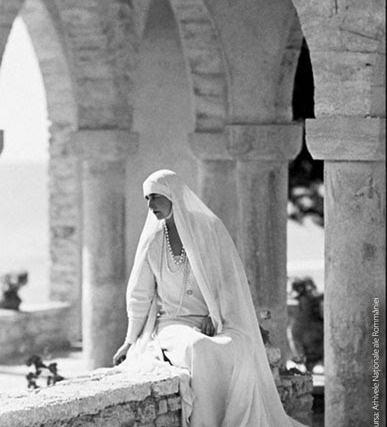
(113, 397)
(102, 397)
(33, 329)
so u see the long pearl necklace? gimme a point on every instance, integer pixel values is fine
(177, 259)
(181, 262)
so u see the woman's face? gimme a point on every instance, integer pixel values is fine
(159, 205)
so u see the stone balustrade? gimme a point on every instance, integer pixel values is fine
(105, 397)
(112, 397)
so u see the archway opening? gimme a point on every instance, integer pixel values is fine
(305, 262)
(163, 114)
(23, 166)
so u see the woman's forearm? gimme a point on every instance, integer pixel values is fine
(135, 326)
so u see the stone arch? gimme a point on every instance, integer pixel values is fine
(86, 61)
(164, 114)
(48, 38)
(222, 58)
(102, 41)
(258, 56)
(206, 64)
(288, 66)
(222, 69)
(44, 27)
(344, 42)
(8, 11)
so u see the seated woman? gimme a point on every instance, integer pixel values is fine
(188, 295)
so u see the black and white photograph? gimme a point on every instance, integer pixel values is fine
(192, 213)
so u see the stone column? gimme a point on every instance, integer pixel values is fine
(1, 140)
(263, 153)
(217, 177)
(354, 300)
(253, 160)
(104, 154)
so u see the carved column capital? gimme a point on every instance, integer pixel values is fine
(347, 138)
(267, 142)
(104, 145)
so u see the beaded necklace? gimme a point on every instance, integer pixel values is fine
(177, 259)
(180, 261)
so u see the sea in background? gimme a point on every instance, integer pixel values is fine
(24, 234)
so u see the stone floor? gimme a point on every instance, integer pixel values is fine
(71, 364)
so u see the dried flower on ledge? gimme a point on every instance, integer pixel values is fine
(52, 378)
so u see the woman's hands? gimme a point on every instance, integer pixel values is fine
(120, 355)
(207, 327)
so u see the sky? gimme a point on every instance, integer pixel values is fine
(23, 110)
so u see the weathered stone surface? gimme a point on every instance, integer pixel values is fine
(240, 166)
(355, 277)
(104, 41)
(265, 142)
(33, 329)
(202, 48)
(273, 355)
(347, 138)
(163, 388)
(296, 395)
(343, 83)
(262, 244)
(1, 140)
(270, 142)
(100, 398)
(8, 12)
(104, 144)
(344, 39)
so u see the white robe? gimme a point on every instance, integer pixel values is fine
(230, 373)
(211, 361)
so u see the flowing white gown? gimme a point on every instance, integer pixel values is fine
(181, 309)
(231, 380)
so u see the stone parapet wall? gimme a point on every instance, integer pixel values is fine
(296, 395)
(112, 397)
(106, 397)
(295, 390)
(33, 329)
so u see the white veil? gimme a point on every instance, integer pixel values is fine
(220, 275)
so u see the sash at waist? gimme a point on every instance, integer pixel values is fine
(195, 321)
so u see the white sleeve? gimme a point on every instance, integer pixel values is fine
(138, 302)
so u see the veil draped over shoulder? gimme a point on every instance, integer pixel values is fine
(221, 277)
